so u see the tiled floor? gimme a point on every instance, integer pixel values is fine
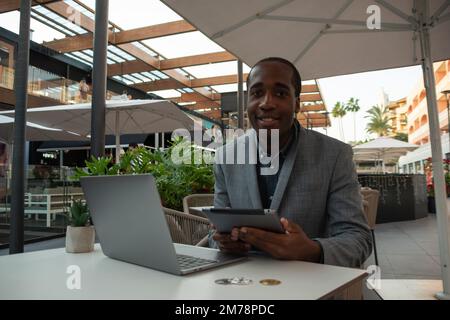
(408, 250)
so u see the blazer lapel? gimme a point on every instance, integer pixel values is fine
(250, 172)
(285, 173)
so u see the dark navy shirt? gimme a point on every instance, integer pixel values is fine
(268, 183)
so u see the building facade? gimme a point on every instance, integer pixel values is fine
(416, 102)
(398, 117)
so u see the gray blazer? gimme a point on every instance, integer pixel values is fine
(317, 189)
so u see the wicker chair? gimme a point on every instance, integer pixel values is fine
(197, 200)
(186, 228)
(370, 201)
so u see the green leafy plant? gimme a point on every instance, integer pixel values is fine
(96, 167)
(428, 167)
(79, 214)
(173, 180)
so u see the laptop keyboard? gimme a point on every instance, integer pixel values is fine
(187, 262)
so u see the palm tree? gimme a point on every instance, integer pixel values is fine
(353, 107)
(378, 121)
(339, 112)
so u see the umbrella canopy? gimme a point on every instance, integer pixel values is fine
(35, 132)
(122, 117)
(135, 116)
(323, 38)
(327, 38)
(383, 148)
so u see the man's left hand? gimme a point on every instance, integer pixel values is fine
(294, 244)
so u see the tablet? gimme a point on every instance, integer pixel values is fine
(225, 219)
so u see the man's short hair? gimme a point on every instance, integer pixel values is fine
(296, 78)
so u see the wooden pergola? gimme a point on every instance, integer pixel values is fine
(151, 70)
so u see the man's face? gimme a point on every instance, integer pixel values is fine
(271, 99)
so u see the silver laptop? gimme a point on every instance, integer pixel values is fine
(131, 226)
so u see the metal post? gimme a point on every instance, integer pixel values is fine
(240, 95)
(422, 7)
(61, 164)
(16, 237)
(156, 140)
(117, 133)
(99, 78)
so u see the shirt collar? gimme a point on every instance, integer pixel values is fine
(285, 150)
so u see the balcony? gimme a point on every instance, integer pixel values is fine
(46, 85)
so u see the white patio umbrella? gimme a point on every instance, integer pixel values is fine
(383, 149)
(122, 117)
(328, 38)
(35, 132)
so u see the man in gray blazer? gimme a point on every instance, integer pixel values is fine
(314, 188)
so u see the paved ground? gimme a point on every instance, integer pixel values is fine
(408, 250)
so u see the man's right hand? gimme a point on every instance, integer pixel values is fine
(230, 243)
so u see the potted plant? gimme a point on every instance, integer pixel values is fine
(174, 181)
(80, 235)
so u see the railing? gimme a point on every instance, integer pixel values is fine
(48, 197)
(45, 84)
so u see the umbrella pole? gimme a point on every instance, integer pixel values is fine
(117, 133)
(436, 149)
(240, 95)
(99, 78)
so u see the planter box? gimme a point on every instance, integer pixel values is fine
(402, 196)
(431, 205)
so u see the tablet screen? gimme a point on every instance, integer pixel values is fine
(225, 219)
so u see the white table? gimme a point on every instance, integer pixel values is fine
(42, 275)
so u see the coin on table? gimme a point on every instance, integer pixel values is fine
(270, 282)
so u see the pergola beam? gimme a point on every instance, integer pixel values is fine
(310, 88)
(196, 60)
(83, 42)
(11, 5)
(165, 84)
(65, 10)
(314, 107)
(310, 97)
(188, 61)
(168, 84)
(154, 31)
(189, 97)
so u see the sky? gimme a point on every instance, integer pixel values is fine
(367, 87)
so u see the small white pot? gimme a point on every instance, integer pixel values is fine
(80, 239)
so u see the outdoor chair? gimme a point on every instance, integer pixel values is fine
(197, 200)
(186, 228)
(370, 202)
